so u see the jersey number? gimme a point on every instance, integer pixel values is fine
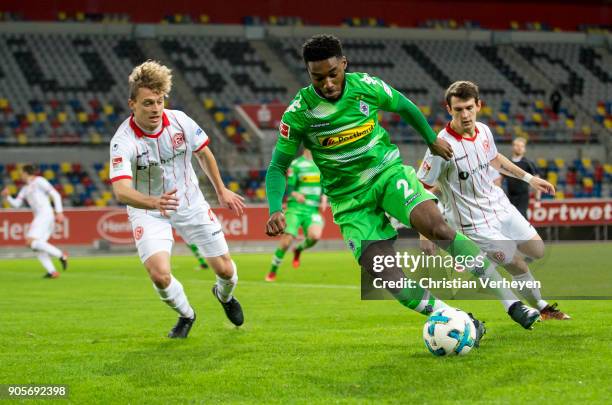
(401, 183)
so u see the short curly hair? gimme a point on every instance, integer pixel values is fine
(151, 75)
(321, 47)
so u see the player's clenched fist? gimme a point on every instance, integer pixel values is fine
(441, 148)
(276, 224)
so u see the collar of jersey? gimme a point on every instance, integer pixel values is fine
(140, 133)
(460, 137)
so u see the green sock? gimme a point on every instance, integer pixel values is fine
(307, 243)
(277, 259)
(419, 300)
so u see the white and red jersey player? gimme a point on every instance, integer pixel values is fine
(36, 193)
(157, 163)
(471, 202)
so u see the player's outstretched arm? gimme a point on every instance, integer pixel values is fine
(227, 198)
(505, 166)
(126, 194)
(275, 189)
(412, 115)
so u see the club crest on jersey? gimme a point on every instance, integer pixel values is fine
(485, 144)
(284, 129)
(364, 108)
(138, 231)
(178, 140)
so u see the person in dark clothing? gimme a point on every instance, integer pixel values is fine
(555, 101)
(518, 190)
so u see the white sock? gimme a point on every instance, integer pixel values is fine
(175, 297)
(532, 295)
(505, 295)
(225, 287)
(45, 260)
(43, 246)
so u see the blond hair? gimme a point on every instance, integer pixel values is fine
(151, 75)
(520, 139)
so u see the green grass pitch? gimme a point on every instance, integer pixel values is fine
(308, 338)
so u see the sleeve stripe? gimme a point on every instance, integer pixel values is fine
(114, 179)
(206, 142)
(427, 186)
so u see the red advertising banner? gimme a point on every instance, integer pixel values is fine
(571, 212)
(84, 226)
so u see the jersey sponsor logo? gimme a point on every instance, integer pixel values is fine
(199, 131)
(313, 178)
(464, 175)
(178, 140)
(284, 129)
(115, 147)
(348, 136)
(319, 125)
(364, 108)
(117, 162)
(138, 231)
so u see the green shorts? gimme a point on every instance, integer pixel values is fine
(297, 219)
(362, 218)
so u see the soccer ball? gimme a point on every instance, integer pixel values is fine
(449, 332)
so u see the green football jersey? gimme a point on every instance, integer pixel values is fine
(347, 142)
(304, 177)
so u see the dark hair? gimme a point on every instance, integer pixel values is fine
(29, 169)
(463, 90)
(321, 47)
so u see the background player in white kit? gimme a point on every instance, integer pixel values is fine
(36, 193)
(475, 205)
(151, 172)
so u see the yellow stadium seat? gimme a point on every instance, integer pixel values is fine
(234, 186)
(273, 20)
(601, 110)
(108, 109)
(96, 138)
(452, 24)
(82, 117)
(22, 139)
(15, 174)
(586, 130)
(100, 202)
(559, 195)
(178, 18)
(107, 195)
(356, 21)
(230, 130)
(500, 130)
(608, 168)
(426, 110)
(552, 178)
(539, 104)
(537, 26)
(486, 111)
(31, 117)
(68, 189)
(209, 103)
(4, 103)
(246, 136)
(204, 18)
(586, 162)
(608, 123)
(62, 117)
(49, 174)
(80, 16)
(537, 117)
(62, 16)
(514, 25)
(219, 116)
(12, 189)
(41, 117)
(103, 174)
(542, 162)
(570, 123)
(502, 117)
(261, 193)
(66, 167)
(6, 204)
(559, 162)
(587, 182)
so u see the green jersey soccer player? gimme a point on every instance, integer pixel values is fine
(305, 203)
(361, 170)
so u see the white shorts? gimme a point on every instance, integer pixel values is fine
(199, 226)
(42, 227)
(501, 243)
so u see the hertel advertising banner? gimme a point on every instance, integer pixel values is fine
(84, 226)
(571, 212)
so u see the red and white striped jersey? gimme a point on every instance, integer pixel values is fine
(470, 200)
(161, 161)
(37, 193)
